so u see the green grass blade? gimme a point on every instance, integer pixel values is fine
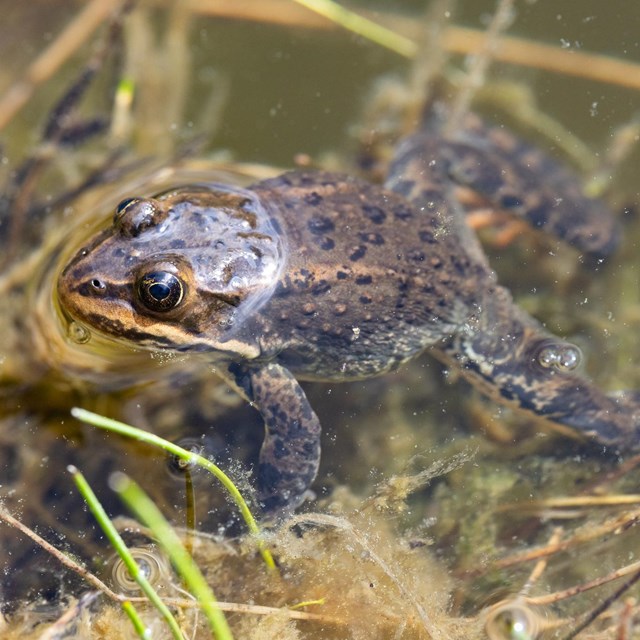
(118, 544)
(148, 513)
(149, 438)
(136, 621)
(362, 26)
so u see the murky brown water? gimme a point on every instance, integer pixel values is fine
(264, 94)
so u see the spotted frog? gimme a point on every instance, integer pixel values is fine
(321, 276)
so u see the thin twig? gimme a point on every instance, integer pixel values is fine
(62, 557)
(478, 65)
(541, 565)
(571, 502)
(551, 598)
(262, 610)
(539, 55)
(463, 40)
(581, 537)
(600, 609)
(53, 135)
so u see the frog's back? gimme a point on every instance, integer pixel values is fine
(371, 280)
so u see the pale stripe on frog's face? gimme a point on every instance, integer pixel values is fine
(180, 271)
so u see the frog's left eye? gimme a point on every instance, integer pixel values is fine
(160, 290)
(124, 204)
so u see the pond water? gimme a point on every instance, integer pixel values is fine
(428, 492)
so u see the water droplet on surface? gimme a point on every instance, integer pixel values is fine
(512, 620)
(569, 358)
(559, 355)
(78, 333)
(153, 566)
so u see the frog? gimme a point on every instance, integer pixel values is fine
(314, 275)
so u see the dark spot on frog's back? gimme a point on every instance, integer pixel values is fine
(320, 224)
(326, 244)
(538, 217)
(364, 280)
(358, 253)
(373, 213)
(313, 199)
(434, 196)
(200, 220)
(177, 243)
(416, 255)
(427, 236)
(402, 212)
(510, 201)
(322, 287)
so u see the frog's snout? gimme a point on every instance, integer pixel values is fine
(75, 285)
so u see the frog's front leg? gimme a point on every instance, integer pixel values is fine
(290, 453)
(510, 357)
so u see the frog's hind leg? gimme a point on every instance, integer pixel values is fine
(516, 177)
(512, 359)
(290, 453)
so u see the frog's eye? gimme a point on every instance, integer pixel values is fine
(124, 204)
(133, 216)
(160, 290)
(122, 207)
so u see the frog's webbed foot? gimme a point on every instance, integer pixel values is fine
(512, 359)
(290, 453)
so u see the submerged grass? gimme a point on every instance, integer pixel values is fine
(133, 567)
(190, 457)
(146, 511)
(362, 26)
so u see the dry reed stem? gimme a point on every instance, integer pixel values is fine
(62, 48)
(571, 502)
(527, 53)
(478, 65)
(617, 524)
(541, 565)
(463, 40)
(60, 556)
(577, 589)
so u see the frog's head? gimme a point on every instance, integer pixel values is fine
(182, 270)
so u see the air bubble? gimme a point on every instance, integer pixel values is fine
(153, 567)
(559, 355)
(512, 620)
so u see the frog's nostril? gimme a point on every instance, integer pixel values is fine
(97, 285)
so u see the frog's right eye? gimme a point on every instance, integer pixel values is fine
(160, 290)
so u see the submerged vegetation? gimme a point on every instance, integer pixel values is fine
(437, 515)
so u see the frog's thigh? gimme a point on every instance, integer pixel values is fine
(290, 454)
(516, 177)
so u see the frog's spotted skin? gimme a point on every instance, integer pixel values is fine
(314, 275)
